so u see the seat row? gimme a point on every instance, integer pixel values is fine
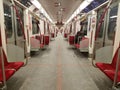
(9, 67)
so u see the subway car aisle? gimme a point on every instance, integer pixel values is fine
(59, 67)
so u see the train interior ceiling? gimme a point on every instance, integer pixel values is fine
(60, 45)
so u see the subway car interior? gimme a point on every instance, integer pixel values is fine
(60, 45)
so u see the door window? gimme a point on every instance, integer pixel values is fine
(19, 28)
(112, 22)
(35, 27)
(100, 34)
(85, 27)
(8, 21)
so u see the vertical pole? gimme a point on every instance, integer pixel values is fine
(3, 69)
(26, 54)
(117, 67)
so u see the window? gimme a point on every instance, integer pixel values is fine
(112, 22)
(35, 27)
(19, 27)
(84, 29)
(100, 34)
(8, 21)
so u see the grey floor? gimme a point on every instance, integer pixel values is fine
(59, 67)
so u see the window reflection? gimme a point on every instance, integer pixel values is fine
(35, 27)
(8, 21)
(100, 34)
(112, 22)
(19, 28)
(85, 27)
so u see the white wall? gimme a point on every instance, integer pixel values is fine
(117, 34)
(2, 28)
(78, 26)
(92, 33)
(42, 26)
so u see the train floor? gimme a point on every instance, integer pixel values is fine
(59, 67)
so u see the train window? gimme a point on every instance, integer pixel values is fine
(100, 35)
(70, 29)
(19, 28)
(35, 27)
(84, 29)
(112, 22)
(8, 21)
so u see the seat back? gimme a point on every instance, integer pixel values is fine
(46, 40)
(114, 61)
(38, 37)
(65, 35)
(52, 35)
(35, 43)
(71, 40)
(42, 39)
(5, 58)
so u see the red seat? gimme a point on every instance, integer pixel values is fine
(111, 74)
(65, 35)
(77, 46)
(104, 66)
(8, 74)
(109, 69)
(41, 45)
(52, 35)
(12, 65)
(46, 40)
(38, 37)
(71, 40)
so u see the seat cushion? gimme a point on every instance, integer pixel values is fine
(104, 66)
(47, 39)
(14, 65)
(8, 74)
(77, 45)
(41, 45)
(71, 40)
(111, 74)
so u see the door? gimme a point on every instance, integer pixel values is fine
(14, 36)
(105, 41)
(111, 25)
(99, 39)
(19, 35)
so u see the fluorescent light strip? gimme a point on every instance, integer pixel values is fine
(83, 5)
(113, 17)
(36, 4)
(42, 10)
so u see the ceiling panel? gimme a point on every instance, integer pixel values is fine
(69, 5)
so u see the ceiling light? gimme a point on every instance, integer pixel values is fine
(62, 9)
(89, 1)
(57, 4)
(113, 16)
(42, 10)
(83, 5)
(36, 3)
